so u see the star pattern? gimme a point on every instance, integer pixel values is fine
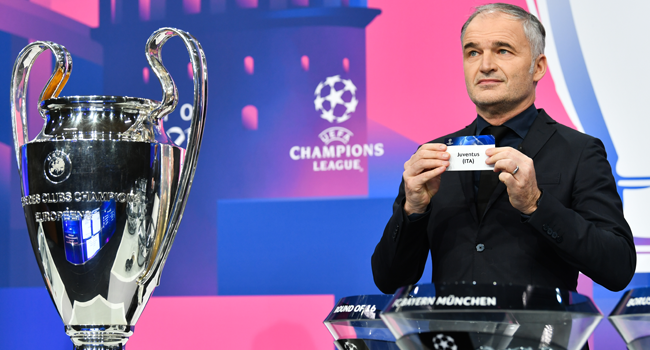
(332, 80)
(335, 98)
(318, 102)
(351, 106)
(444, 342)
(319, 88)
(349, 86)
(328, 115)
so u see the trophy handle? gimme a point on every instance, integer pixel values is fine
(20, 78)
(168, 104)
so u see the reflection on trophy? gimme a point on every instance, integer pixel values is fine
(103, 190)
(146, 236)
(135, 209)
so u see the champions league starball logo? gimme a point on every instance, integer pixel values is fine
(444, 342)
(336, 99)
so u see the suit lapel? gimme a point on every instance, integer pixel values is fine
(540, 132)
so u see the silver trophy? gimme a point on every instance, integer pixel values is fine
(104, 189)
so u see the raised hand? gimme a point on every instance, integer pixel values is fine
(422, 176)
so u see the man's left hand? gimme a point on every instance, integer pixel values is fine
(518, 174)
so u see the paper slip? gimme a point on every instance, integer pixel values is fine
(468, 152)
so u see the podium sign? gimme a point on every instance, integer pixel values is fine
(489, 317)
(355, 323)
(631, 318)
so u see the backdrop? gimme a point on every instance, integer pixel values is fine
(314, 106)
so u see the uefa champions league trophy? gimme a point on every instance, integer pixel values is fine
(104, 191)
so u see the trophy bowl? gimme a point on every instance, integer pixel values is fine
(103, 190)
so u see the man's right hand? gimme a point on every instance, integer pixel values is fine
(422, 176)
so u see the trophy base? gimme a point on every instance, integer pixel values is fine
(95, 337)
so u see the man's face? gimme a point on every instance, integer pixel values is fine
(497, 60)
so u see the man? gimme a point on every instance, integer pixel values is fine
(552, 209)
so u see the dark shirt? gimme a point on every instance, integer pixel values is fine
(520, 124)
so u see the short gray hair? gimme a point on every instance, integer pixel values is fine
(533, 28)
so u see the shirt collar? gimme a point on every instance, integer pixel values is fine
(520, 123)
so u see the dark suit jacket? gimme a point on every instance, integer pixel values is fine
(578, 225)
